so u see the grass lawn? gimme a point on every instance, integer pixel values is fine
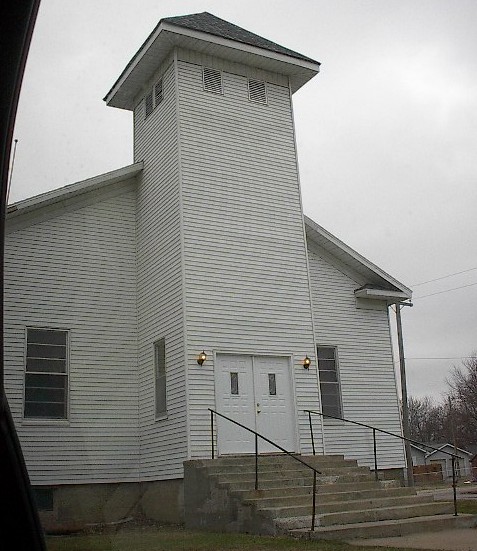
(167, 538)
(176, 538)
(467, 506)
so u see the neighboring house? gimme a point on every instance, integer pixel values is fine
(442, 455)
(473, 464)
(116, 285)
(418, 454)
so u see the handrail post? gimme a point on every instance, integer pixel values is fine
(313, 513)
(376, 477)
(454, 485)
(407, 440)
(212, 432)
(311, 432)
(256, 461)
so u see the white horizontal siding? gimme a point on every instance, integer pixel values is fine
(160, 312)
(245, 259)
(366, 369)
(77, 271)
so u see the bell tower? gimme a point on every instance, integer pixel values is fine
(222, 260)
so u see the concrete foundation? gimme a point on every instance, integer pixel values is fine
(76, 507)
(210, 505)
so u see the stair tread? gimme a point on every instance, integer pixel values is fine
(348, 498)
(364, 510)
(376, 523)
(335, 497)
(307, 489)
(377, 500)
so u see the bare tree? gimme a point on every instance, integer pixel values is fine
(427, 420)
(463, 397)
(454, 419)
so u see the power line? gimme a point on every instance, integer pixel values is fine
(446, 291)
(443, 277)
(459, 358)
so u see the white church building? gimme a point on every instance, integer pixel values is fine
(138, 299)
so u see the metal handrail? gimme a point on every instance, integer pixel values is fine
(374, 429)
(257, 436)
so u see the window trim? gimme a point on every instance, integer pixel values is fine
(164, 413)
(55, 420)
(338, 382)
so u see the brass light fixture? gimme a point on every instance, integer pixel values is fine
(202, 357)
(306, 362)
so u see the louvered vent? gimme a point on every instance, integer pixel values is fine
(212, 80)
(257, 91)
(148, 105)
(158, 93)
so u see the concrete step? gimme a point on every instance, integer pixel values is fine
(383, 529)
(282, 470)
(356, 511)
(346, 475)
(277, 458)
(241, 482)
(377, 499)
(348, 498)
(357, 493)
(327, 492)
(388, 513)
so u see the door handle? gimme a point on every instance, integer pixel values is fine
(258, 408)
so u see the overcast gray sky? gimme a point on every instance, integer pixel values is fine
(387, 134)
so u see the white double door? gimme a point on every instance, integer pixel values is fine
(255, 391)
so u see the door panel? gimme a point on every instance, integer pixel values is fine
(255, 391)
(274, 400)
(235, 399)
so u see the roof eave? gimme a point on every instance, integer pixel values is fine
(347, 251)
(391, 297)
(71, 190)
(167, 35)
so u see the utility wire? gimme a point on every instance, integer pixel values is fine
(443, 277)
(459, 358)
(446, 291)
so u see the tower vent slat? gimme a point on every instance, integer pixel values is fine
(148, 104)
(257, 91)
(158, 93)
(212, 80)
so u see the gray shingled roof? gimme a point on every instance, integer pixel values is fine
(207, 23)
(210, 24)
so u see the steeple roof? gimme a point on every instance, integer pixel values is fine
(207, 33)
(211, 24)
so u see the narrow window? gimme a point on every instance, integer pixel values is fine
(234, 388)
(160, 372)
(46, 374)
(212, 80)
(272, 384)
(329, 381)
(158, 93)
(257, 91)
(148, 105)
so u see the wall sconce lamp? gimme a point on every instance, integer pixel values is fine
(202, 357)
(306, 362)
